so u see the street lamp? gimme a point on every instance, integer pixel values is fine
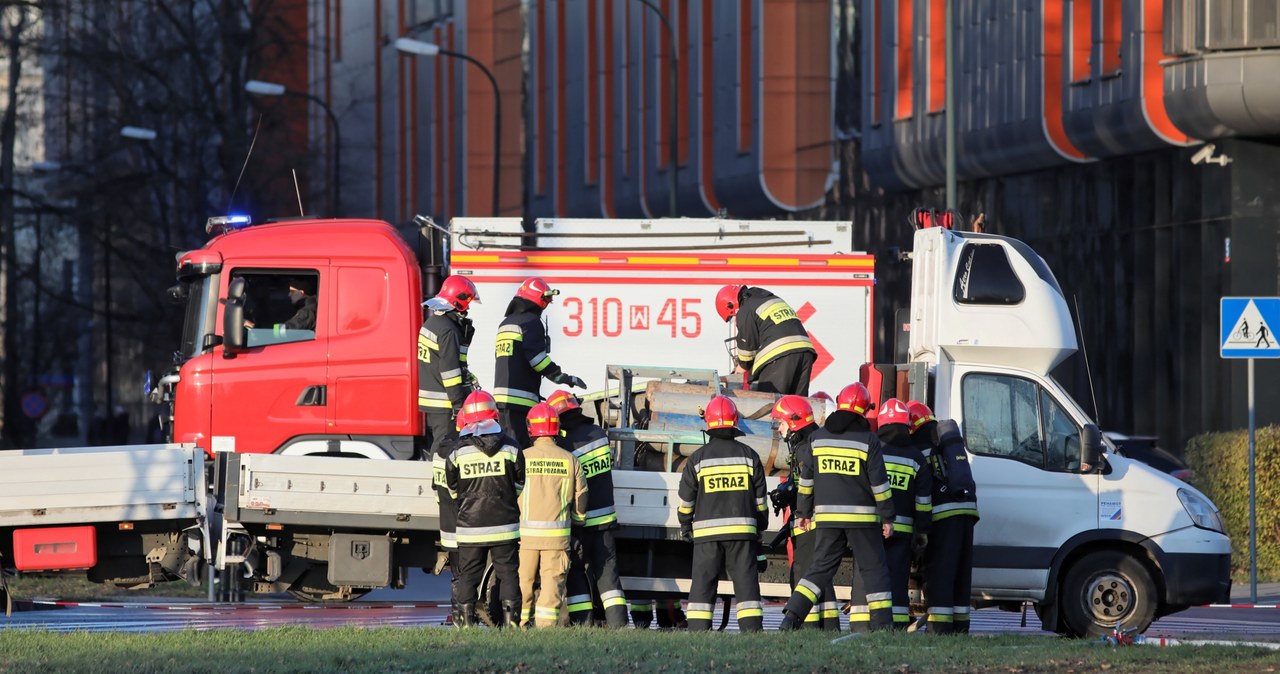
(261, 88)
(674, 113)
(408, 45)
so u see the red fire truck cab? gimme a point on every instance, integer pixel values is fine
(299, 338)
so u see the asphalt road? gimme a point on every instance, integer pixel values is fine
(424, 603)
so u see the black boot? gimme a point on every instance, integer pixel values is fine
(790, 622)
(510, 613)
(466, 616)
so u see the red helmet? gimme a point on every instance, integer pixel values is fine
(721, 413)
(477, 407)
(459, 291)
(822, 395)
(920, 414)
(727, 301)
(893, 411)
(537, 291)
(563, 401)
(855, 397)
(794, 412)
(543, 421)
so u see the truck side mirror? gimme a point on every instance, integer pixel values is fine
(1090, 448)
(233, 330)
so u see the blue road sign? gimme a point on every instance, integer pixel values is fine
(1248, 327)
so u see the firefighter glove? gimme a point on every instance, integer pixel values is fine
(762, 563)
(569, 380)
(918, 544)
(686, 534)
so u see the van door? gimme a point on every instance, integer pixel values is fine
(275, 389)
(1025, 451)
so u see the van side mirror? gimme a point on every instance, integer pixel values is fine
(233, 330)
(1090, 448)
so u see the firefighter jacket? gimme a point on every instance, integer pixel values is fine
(767, 328)
(485, 475)
(554, 496)
(444, 499)
(442, 361)
(523, 358)
(910, 478)
(945, 504)
(850, 487)
(590, 446)
(722, 491)
(801, 450)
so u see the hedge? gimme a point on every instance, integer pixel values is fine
(1221, 465)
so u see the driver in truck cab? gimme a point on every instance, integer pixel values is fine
(771, 342)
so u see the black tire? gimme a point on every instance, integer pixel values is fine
(313, 587)
(1107, 590)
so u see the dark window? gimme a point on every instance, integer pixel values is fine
(986, 277)
(281, 306)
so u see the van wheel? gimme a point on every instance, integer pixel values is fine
(1107, 590)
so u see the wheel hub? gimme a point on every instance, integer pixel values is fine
(1110, 598)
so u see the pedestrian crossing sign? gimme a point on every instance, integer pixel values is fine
(1248, 325)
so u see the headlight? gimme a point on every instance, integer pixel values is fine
(1201, 511)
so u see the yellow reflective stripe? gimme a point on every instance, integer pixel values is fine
(809, 594)
(939, 618)
(509, 335)
(580, 606)
(904, 528)
(845, 517)
(750, 612)
(884, 496)
(432, 402)
(972, 512)
(595, 454)
(542, 364)
(603, 519)
(516, 400)
(528, 532)
(453, 381)
(615, 601)
(774, 353)
(804, 490)
(877, 605)
(842, 452)
(698, 615)
(685, 510)
(423, 340)
(489, 538)
(724, 470)
(860, 618)
(721, 531)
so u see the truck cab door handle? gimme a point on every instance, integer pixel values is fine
(312, 396)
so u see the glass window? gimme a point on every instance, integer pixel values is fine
(280, 306)
(1017, 419)
(1001, 417)
(985, 276)
(1061, 435)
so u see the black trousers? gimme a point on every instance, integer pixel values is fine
(826, 613)
(948, 574)
(738, 558)
(441, 430)
(787, 374)
(897, 555)
(515, 421)
(868, 555)
(506, 563)
(599, 562)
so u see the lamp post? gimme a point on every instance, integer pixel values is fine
(408, 45)
(261, 88)
(673, 146)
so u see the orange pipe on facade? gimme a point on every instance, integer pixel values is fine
(1052, 82)
(707, 179)
(1153, 107)
(905, 27)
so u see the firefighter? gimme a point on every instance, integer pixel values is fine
(590, 446)
(948, 556)
(485, 475)
(553, 501)
(723, 513)
(443, 378)
(912, 486)
(443, 387)
(477, 406)
(523, 357)
(852, 508)
(771, 342)
(797, 424)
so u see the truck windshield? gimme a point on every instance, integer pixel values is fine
(198, 322)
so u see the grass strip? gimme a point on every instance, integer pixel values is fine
(349, 649)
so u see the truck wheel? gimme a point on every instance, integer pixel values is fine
(1107, 590)
(313, 587)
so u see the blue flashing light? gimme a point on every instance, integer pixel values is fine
(222, 224)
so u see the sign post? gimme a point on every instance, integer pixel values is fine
(1246, 328)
